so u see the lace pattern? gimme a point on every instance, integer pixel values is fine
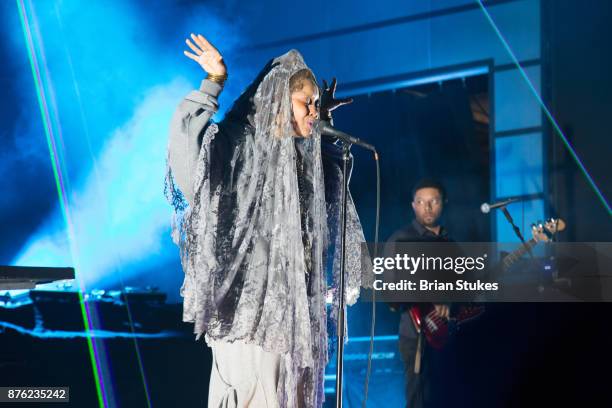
(242, 241)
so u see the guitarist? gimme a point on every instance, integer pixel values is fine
(421, 362)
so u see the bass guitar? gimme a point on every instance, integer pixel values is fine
(438, 329)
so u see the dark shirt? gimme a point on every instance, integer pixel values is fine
(305, 191)
(413, 232)
(331, 156)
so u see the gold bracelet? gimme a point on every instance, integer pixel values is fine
(220, 79)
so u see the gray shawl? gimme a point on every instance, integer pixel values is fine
(242, 239)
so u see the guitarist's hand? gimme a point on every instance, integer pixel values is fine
(442, 311)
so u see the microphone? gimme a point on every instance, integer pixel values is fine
(486, 207)
(325, 128)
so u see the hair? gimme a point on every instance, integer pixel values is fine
(296, 82)
(429, 183)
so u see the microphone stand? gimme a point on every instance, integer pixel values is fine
(347, 141)
(342, 304)
(516, 229)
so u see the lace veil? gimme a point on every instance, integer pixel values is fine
(242, 243)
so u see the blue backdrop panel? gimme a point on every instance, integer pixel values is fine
(518, 165)
(515, 104)
(524, 214)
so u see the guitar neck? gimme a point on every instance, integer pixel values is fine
(518, 253)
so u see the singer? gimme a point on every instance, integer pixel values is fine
(253, 230)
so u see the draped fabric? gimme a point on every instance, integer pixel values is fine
(253, 243)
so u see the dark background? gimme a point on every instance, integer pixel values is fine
(517, 355)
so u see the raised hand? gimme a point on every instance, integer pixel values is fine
(205, 54)
(328, 101)
(442, 311)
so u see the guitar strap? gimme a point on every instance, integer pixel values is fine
(417, 357)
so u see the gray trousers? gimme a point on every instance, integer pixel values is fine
(243, 375)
